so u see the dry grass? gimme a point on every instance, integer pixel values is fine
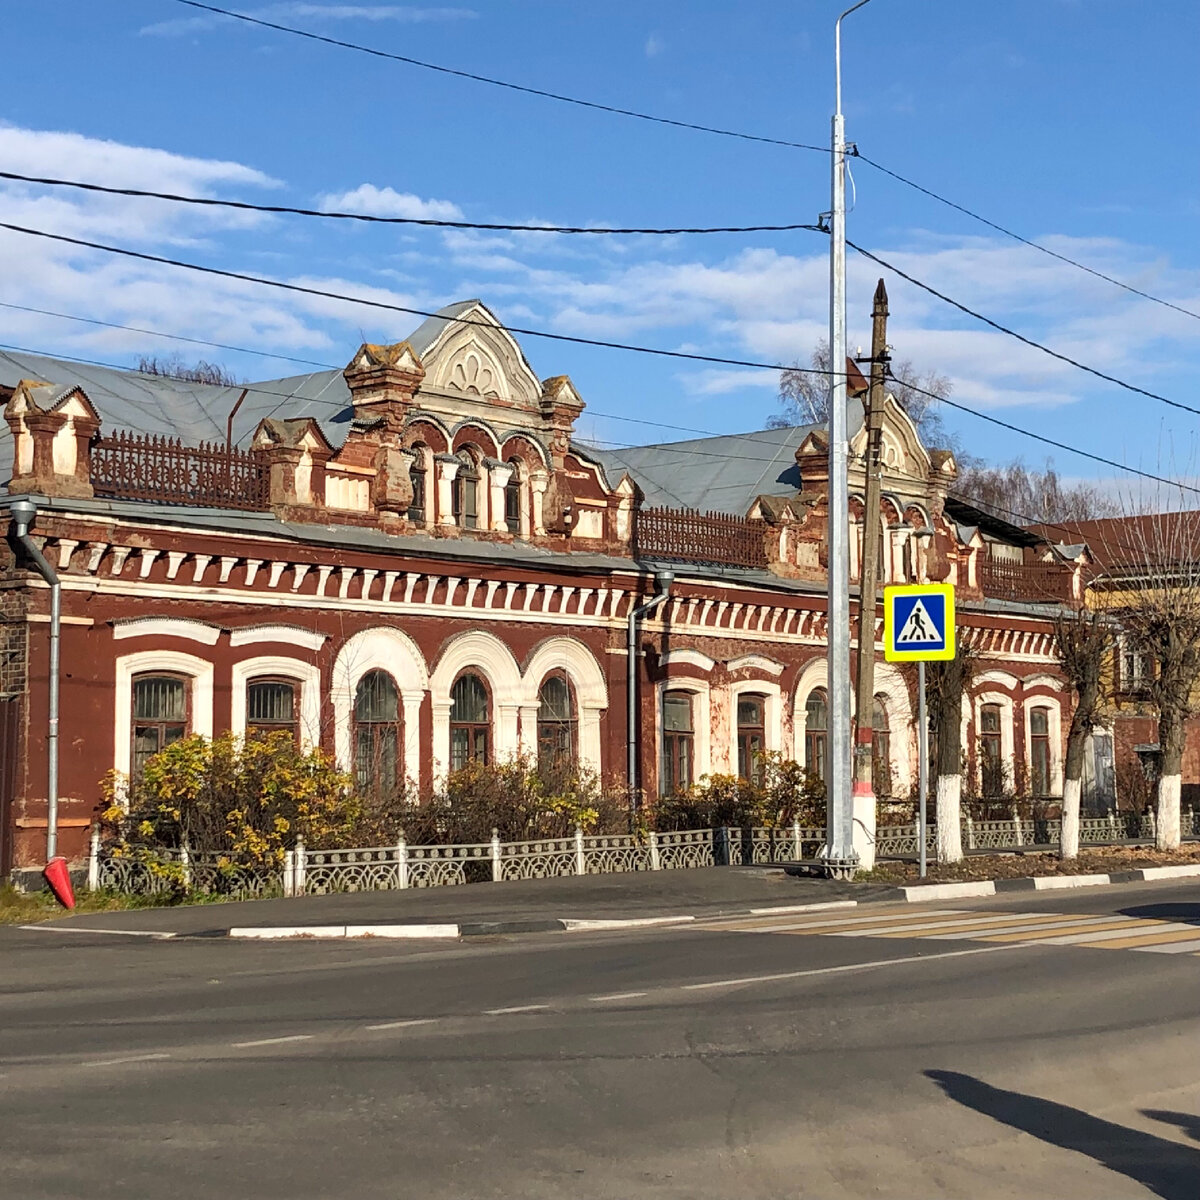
(29, 908)
(1106, 860)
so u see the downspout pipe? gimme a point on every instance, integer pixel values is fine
(24, 513)
(662, 583)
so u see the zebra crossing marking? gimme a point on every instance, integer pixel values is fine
(1101, 931)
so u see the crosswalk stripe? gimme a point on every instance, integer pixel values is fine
(1192, 947)
(924, 929)
(1080, 925)
(764, 925)
(1151, 937)
(1077, 939)
(1051, 926)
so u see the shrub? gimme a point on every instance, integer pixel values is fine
(242, 799)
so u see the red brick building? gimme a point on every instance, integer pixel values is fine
(414, 561)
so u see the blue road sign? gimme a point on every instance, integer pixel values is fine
(918, 622)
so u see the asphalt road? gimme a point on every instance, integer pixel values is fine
(745, 1058)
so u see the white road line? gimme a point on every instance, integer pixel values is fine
(1083, 923)
(404, 1024)
(1172, 948)
(1109, 935)
(133, 1058)
(867, 966)
(842, 922)
(275, 1041)
(795, 908)
(618, 996)
(518, 1008)
(940, 923)
(52, 927)
(987, 925)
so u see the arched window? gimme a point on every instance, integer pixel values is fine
(466, 492)
(991, 753)
(377, 741)
(272, 705)
(469, 724)
(751, 736)
(816, 734)
(1039, 752)
(881, 749)
(678, 742)
(160, 715)
(557, 722)
(512, 497)
(418, 474)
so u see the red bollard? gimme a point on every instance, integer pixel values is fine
(59, 879)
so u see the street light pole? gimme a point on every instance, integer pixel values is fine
(840, 803)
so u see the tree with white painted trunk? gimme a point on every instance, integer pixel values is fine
(945, 684)
(1153, 587)
(1083, 639)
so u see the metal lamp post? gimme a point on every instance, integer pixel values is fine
(840, 849)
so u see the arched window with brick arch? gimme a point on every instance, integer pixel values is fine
(470, 722)
(378, 736)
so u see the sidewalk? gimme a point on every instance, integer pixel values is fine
(704, 891)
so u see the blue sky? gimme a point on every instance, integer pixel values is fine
(1074, 122)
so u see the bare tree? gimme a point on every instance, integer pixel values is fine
(804, 395)
(1153, 586)
(1031, 496)
(1084, 639)
(946, 682)
(172, 366)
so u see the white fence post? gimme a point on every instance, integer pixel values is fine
(289, 872)
(301, 867)
(1112, 825)
(655, 860)
(1153, 825)
(497, 863)
(402, 863)
(1018, 833)
(797, 845)
(970, 831)
(185, 861)
(94, 859)
(580, 861)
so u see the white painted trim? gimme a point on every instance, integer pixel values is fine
(1053, 730)
(772, 716)
(701, 719)
(812, 676)
(289, 635)
(755, 662)
(687, 658)
(998, 678)
(306, 674)
(386, 649)
(591, 694)
(1007, 721)
(178, 627)
(198, 670)
(487, 655)
(1043, 680)
(902, 728)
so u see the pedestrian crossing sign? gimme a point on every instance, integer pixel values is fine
(918, 622)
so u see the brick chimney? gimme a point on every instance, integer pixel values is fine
(382, 382)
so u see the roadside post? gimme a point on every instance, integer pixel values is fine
(918, 626)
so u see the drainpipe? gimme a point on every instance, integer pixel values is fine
(662, 582)
(24, 512)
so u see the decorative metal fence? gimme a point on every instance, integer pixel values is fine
(691, 536)
(1026, 581)
(134, 466)
(382, 868)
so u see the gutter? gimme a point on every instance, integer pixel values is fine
(24, 513)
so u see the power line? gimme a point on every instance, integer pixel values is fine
(437, 223)
(1020, 337)
(574, 339)
(375, 52)
(175, 337)
(1187, 312)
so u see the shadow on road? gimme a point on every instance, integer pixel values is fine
(1188, 1122)
(1168, 1169)
(1186, 914)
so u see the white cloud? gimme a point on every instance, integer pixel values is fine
(386, 202)
(405, 14)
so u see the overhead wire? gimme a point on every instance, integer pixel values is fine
(376, 52)
(1128, 287)
(1020, 337)
(372, 218)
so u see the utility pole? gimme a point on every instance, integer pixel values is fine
(839, 848)
(864, 791)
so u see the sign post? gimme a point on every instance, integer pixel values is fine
(918, 626)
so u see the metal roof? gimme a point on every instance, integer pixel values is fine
(717, 474)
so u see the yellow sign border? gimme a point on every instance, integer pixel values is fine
(890, 653)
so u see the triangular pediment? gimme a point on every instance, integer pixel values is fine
(475, 357)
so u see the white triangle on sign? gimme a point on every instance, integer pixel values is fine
(918, 627)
